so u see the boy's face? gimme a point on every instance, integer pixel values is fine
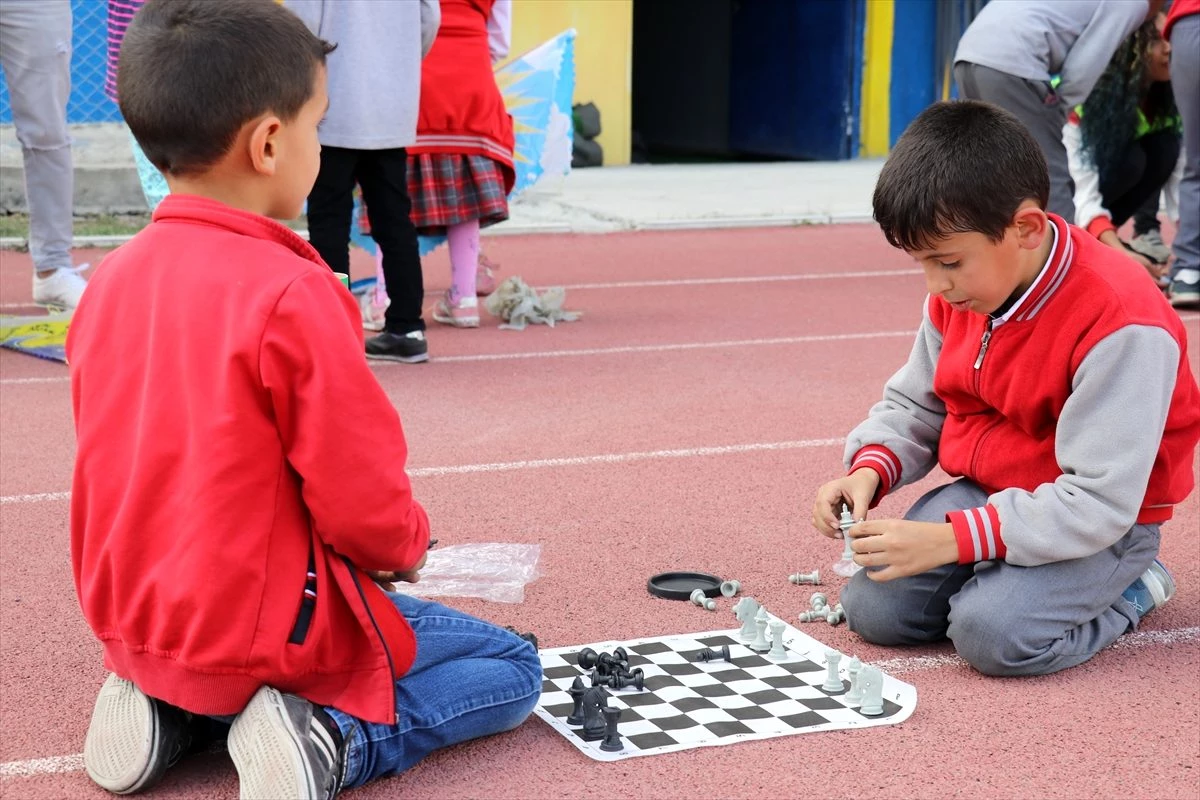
(300, 152)
(973, 273)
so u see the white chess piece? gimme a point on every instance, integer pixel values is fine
(760, 643)
(845, 566)
(871, 681)
(777, 650)
(833, 682)
(854, 696)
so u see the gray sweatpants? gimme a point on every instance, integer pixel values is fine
(1185, 83)
(1004, 619)
(1027, 100)
(35, 54)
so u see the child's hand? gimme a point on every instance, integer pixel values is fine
(894, 548)
(386, 578)
(855, 490)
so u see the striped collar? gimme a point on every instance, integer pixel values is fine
(1048, 280)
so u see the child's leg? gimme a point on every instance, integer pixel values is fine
(383, 175)
(470, 679)
(463, 239)
(330, 205)
(912, 610)
(1013, 620)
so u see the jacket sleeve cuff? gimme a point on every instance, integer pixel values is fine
(885, 464)
(1099, 225)
(977, 531)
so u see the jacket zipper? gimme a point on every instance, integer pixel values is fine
(308, 602)
(983, 348)
(383, 642)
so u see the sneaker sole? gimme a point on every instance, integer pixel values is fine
(421, 359)
(1185, 298)
(265, 748)
(123, 740)
(458, 322)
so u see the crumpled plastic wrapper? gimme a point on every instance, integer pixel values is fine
(518, 304)
(494, 571)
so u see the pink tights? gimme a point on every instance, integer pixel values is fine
(464, 257)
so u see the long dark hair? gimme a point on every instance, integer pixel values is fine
(1110, 114)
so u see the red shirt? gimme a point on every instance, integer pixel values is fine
(462, 110)
(238, 465)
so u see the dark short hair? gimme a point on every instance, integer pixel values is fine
(193, 72)
(960, 167)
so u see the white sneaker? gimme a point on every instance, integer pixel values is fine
(60, 289)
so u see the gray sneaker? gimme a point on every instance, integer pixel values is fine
(286, 747)
(1150, 244)
(132, 738)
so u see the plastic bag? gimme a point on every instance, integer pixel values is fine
(495, 571)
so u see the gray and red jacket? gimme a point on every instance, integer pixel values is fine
(1079, 415)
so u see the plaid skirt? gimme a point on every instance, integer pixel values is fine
(448, 189)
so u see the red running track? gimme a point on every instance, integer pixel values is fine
(690, 416)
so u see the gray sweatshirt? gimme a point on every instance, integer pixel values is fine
(1035, 39)
(375, 72)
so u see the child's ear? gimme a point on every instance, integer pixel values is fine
(264, 144)
(1032, 225)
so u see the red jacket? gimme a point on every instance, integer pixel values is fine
(1179, 10)
(238, 465)
(462, 111)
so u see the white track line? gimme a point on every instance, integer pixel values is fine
(541, 463)
(55, 765)
(594, 351)
(816, 276)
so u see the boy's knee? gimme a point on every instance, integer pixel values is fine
(871, 614)
(990, 641)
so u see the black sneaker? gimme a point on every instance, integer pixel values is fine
(411, 348)
(286, 747)
(529, 637)
(133, 738)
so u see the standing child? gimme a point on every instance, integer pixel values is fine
(1123, 147)
(1182, 30)
(1011, 51)
(239, 483)
(460, 170)
(374, 78)
(1052, 379)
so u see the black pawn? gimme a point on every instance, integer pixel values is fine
(587, 658)
(634, 679)
(622, 655)
(612, 740)
(576, 691)
(708, 654)
(600, 678)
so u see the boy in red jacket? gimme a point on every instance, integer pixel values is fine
(239, 482)
(1052, 379)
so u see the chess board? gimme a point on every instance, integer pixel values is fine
(686, 703)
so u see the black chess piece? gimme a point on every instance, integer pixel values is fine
(595, 700)
(612, 740)
(608, 664)
(576, 691)
(709, 654)
(623, 680)
(587, 658)
(599, 678)
(622, 655)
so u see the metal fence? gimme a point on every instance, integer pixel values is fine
(89, 39)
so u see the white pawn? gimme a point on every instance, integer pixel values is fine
(813, 577)
(777, 650)
(833, 682)
(871, 681)
(813, 616)
(760, 643)
(818, 601)
(699, 599)
(854, 696)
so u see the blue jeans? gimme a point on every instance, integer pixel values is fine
(470, 679)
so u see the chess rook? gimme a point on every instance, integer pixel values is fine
(612, 740)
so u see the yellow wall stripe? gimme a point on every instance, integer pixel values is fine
(874, 133)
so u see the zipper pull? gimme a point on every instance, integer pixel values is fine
(983, 345)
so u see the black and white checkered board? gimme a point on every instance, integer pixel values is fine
(696, 704)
